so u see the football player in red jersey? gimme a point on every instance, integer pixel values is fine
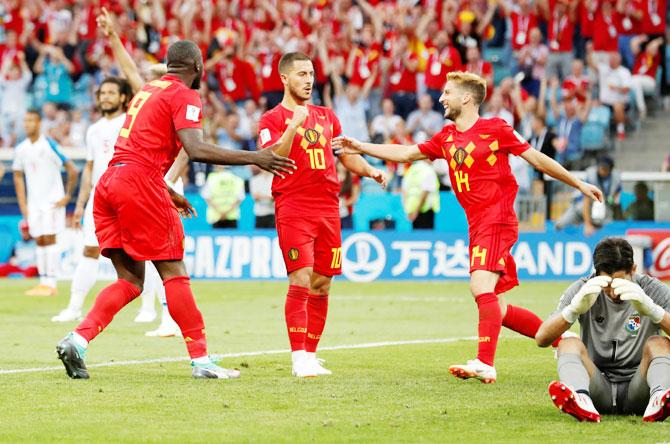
(477, 151)
(137, 215)
(307, 206)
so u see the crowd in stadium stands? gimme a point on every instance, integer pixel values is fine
(570, 75)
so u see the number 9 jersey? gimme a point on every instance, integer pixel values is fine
(314, 187)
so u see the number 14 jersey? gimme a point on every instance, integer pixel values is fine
(312, 190)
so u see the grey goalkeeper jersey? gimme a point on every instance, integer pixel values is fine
(614, 333)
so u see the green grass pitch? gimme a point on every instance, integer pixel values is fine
(400, 393)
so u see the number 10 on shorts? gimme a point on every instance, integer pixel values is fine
(336, 262)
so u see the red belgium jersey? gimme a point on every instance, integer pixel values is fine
(312, 190)
(479, 168)
(148, 137)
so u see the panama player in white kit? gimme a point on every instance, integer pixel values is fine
(42, 199)
(113, 96)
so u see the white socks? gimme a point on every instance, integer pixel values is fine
(48, 262)
(202, 360)
(79, 340)
(311, 355)
(83, 280)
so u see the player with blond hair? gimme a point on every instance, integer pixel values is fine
(477, 151)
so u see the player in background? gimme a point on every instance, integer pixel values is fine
(477, 151)
(307, 206)
(112, 97)
(37, 167)
(137, 215)
(621, 364)
(152, 281)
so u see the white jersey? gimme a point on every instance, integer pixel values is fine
(100, 141)
(41, 163)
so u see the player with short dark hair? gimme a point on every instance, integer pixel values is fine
(307, 206)
(477, 151)
(621, 364)
(137, 215)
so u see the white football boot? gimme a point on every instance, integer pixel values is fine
(576, 404)
(475, 369)
(318, 365)
(302, 367)
(67, 315)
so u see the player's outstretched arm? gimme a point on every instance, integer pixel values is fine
(548, 165)
(359, 166)
(201, 151)
(386, 151)
(119, 52)
(84, 194)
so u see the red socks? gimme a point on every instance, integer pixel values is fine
(295, 312)
(490, 322)
(317, 310)
(108, 303)
(185, 313)
(521, 321)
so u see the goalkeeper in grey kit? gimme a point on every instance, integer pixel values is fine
(621, 363)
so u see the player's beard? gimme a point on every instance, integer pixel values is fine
(299, 94)
(196, 83)
(111, 110)
(453, 112)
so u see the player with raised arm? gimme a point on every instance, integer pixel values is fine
(112, 97)
(137, 215)
(37, 169)
(307, 206)
(477, 151)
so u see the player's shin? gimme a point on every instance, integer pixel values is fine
(108, 303)
(490, 322)
(295, 312)
(83, 280)
(185, 313)
(317, 311)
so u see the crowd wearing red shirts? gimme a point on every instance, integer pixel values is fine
(405, 48)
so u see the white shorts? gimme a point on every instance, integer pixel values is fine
(90, 239)
(45, 221)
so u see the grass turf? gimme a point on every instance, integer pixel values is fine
(386, 394)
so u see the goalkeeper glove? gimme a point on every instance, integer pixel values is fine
(585, 298)
(630, 291)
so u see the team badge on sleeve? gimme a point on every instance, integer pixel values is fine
(264, 136)
(192, 113)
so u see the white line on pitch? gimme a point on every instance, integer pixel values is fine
(238, 355)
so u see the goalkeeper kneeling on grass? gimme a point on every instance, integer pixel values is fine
(621, 363)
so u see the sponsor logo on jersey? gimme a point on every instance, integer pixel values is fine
(633, 324)
(293, 254)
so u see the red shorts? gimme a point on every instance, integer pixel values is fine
(133, 211)
(490, 249)
(315, 242)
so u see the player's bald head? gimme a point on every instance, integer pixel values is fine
(183, 53)
(185, 59)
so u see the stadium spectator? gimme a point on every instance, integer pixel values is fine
(441, 59)
(595, 215)
(475, 65)
(532, 59)
(606, 25)
(643, 206)
(15, 77)
(223, 192)
(496, 108)
(614, 81)
(260, 188)
(543, 139)
(647, 61)
(423, 122)
(560, 17)
(383, 126)
(42, 198)
(570, 116)
(235, 76)
(54, 69)
(420, 195)
(228, 136)
(402, 76)
(630, 375)
(523, 17)
(577, 84)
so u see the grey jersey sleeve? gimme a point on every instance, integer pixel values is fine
(655, 289)
(570, 293)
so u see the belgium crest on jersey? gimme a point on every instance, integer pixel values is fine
(312, 135)
(459, 156)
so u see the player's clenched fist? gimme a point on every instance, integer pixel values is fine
(585, 298)
(630, 291)
(299, 115)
